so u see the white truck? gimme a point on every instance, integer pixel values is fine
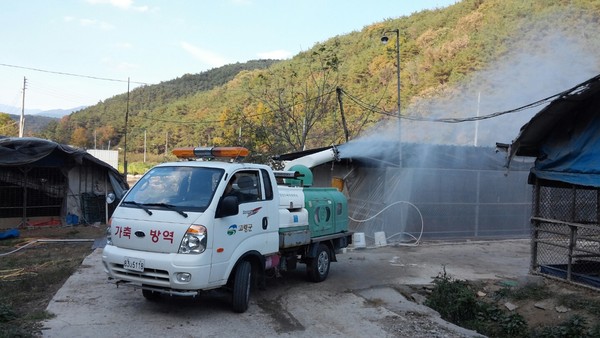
(196, 225)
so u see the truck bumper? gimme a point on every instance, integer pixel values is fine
(161, 270)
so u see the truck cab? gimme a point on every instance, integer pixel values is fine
(183, 226)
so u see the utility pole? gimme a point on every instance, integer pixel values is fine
(125, 147)
(22, 120)
(384, 39)
(338, 90)
(477, 122)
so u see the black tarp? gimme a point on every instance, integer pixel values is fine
(15, 152)
(43, 178)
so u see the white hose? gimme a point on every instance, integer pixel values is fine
(402, 232)
(45, 241)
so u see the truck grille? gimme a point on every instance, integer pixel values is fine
(152, 276)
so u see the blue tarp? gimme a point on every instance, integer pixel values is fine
(564, 138)
(571, 152)
(10, 233)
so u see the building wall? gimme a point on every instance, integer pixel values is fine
(109, 156)
(433, 203)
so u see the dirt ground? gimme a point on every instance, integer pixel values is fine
(42, 259)
(562, 302)
(545, 310)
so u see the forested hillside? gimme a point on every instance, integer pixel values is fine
(107, 119)
(9, 124)
(471, 58)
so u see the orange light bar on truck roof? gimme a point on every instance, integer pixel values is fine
(211, 152)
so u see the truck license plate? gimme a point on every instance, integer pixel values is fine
(134, 264)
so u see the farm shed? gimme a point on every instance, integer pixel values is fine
(46, 183)
(438, 191)
(564, 139)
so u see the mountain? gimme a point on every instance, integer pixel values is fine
(34, 124)
(37, 120)
(4, 108)
(476, 57)
(55, 113)
(58, 113)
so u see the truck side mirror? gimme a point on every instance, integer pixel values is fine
(110, 198)
(228, 206)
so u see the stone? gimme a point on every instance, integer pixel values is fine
(510, 306)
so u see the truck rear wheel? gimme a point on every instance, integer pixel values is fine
(241, 287)
(317, 268)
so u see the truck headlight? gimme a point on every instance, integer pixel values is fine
(194, 240)
(108, 235)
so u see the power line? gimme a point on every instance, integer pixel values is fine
(359, 102)
(458, 120)
(70, 74)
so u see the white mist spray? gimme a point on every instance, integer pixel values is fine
(542, 62)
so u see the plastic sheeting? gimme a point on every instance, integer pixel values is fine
(564, 137)
(18, 152)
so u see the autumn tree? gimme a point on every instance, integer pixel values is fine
(106, 135)
(79, 137)
(8, 126)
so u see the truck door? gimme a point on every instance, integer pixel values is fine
(253, 228)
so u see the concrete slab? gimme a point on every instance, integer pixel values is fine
(358, 299)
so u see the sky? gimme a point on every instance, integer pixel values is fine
(72, 53)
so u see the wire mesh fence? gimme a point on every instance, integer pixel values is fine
(410, 204)
(31, 192)
(566, 234)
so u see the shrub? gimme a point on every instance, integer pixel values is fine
(453, 299)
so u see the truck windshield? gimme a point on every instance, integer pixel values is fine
(179, 188)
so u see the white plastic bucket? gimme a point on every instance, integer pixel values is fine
(358, 239)
(380, 239)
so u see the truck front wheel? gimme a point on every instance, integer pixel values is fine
(150, 295)
(317, 268)
(241, 287)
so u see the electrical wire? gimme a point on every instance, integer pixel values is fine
(45, 241)
(359, 102)
(34, 87)
(564, 94)
(378, 110)
(234, 118)
(72, 74)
